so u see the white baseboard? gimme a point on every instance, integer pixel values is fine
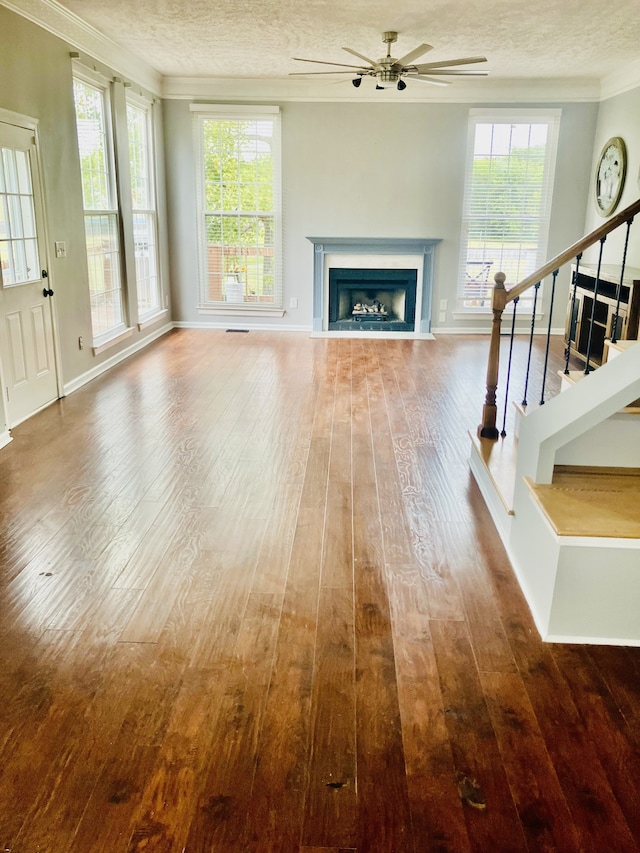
(486, 330)
(101, 368)
(5, 438)
(250, 327)
(388, 336)
(459, 330)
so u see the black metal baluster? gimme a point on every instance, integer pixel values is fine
(573, 320)
(536, 288)
(587, 366)
(546, 352)
(506, 390)
(614, 330)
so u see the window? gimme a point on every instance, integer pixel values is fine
(239, 216)
(18, 245)
(100, 208)
(141, 170)
(507, 201)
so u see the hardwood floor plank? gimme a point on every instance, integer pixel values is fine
(489, 639)
(66, 776)
(222, 804)
(330, 806)
(275, 551)
(327, 850)
(586, 788)
(111, 805)
(274, 822)
(168, 800)
(492, 820)
(97, 583)
(607, 728)
(620, 670)
(221, 615)
(537, 793)
(35, 722)
(173, 571)
(436, 808)
(384, 820)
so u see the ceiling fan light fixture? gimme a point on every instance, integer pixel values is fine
(401, 85)
(357, 81)
(387, 78)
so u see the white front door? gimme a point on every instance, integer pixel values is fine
(27, 352)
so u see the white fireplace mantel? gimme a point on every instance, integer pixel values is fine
(324, 246)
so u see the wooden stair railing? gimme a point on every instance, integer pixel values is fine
(501, 296)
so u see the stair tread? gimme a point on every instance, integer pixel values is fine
(499, 458)
(594, 502)
(621, 346)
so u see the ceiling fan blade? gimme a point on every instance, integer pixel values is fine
(414, 54)
(315, 73)
(467, 60)
(362, 56)
(434, 81)
(322, 62)
(450, 72)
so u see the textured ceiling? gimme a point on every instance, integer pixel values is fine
(257, 38)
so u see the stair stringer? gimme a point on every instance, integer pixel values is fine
(577, 410)
(579, 589)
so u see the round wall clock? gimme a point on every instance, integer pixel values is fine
(610, 174)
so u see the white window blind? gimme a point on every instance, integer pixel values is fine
(239, 206)
(143, 203)
(507, 200)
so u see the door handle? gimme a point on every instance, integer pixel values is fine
(47, 292)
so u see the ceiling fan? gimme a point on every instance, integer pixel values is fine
(389, 72)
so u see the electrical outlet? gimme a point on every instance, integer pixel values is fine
(443, 304)
(61, 249)
(442, 317)
(80, 342)
(293, 302)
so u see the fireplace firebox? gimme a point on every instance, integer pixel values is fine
(381, 300)
(377, 253)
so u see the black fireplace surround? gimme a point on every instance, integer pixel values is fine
(365, 300)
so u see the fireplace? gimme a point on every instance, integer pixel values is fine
(370, 272)
(368, 300)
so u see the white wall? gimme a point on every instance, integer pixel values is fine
(36, 81)
(371, 170)
(618, 116)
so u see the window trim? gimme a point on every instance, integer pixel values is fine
(139, 101)
(204, 112)
(96, 80)
(549, 116)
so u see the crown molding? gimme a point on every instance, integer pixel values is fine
(64, 24)
(496, 90)
(621, 81)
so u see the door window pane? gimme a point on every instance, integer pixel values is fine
(18, 251)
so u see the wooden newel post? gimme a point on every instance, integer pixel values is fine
(487, 428)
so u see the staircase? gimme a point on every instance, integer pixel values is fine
(564, 491)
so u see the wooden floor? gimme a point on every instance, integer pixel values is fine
(251, 600)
